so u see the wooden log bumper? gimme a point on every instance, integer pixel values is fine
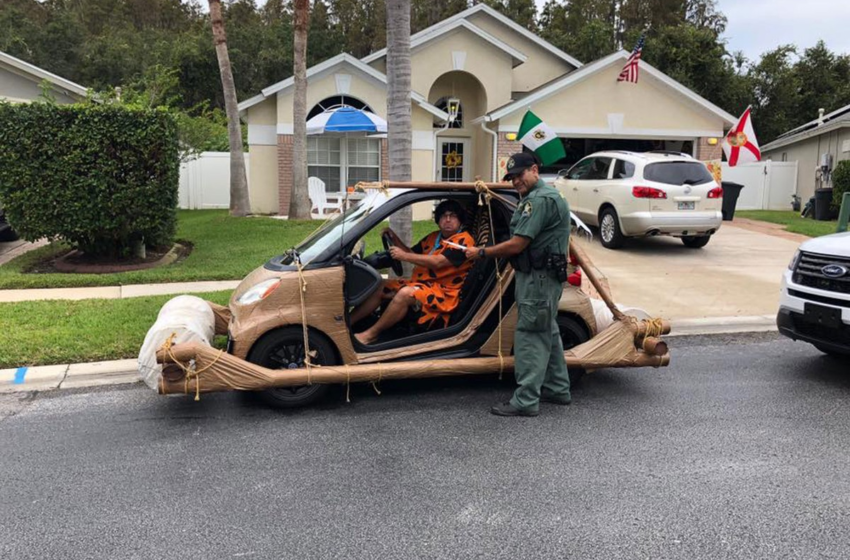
(232, 373)
(655, 346)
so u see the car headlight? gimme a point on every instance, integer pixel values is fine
(259, 292)
(793, 264)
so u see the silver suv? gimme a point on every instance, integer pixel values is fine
(629, 194)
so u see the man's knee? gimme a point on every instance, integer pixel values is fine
(405, 295)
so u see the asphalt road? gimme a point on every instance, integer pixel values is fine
(738, 450)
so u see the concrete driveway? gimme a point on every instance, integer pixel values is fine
(11, 249)
(736, 275)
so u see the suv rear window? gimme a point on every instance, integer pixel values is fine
(678, 173)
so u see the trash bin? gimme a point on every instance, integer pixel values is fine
(730, 199)
(823, 201)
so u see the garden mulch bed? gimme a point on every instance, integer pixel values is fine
(73, 261)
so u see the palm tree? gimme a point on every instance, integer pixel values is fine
(240, 205)
(399, 126)
(299, 206)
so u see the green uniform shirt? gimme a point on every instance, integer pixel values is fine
(543, 216)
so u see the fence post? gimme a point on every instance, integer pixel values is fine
(844, 215)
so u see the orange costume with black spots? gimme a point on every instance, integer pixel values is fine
(437, 291)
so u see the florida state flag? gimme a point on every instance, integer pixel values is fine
(740, 144)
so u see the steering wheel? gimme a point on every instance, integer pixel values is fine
(387, 240)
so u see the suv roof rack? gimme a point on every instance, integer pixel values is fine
(669, 153)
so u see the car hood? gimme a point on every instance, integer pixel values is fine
(837, 244)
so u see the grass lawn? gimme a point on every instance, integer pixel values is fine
(225, 248)
(61, 332)
(791, 220)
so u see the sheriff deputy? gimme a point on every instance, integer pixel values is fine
(540, 233)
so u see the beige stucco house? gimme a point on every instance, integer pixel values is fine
(817, 145)
(20, 82)
(493, 70)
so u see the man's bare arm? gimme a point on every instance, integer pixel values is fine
(513, 246)
(431, 262)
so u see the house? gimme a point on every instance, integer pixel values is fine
(816, 146)
(20, 82)
(474, 75)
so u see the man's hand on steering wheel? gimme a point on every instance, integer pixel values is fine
(389, 246)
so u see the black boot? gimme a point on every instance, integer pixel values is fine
(507, 409)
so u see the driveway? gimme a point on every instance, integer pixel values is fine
(10, 250)
(737, 274)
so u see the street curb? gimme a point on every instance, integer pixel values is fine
(123, 372)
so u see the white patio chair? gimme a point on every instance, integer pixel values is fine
(318, 197)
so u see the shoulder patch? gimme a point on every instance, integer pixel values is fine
(526, 209)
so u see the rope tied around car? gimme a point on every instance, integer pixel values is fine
(302, 283)
(485, 195)
(190, 369)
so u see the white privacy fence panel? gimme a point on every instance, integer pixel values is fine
(205, 181)
(768, 185)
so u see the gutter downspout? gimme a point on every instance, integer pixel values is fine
(434, 152)
(494, 162)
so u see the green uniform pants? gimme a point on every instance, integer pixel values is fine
(538, 350)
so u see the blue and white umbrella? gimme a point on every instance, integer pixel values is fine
(346, 119)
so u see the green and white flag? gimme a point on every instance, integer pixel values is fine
(540, 139)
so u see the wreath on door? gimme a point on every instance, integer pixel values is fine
(453, 159)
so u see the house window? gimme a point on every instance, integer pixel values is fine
(337, 101)
(342, 161)
(443, 105)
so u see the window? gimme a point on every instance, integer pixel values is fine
(336, 101)
(623, 169)
(443, 105)
(342, 161)
(596, 168)
(580, 169)
(678, 173)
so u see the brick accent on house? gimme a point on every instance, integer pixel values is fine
(706, 152)
(284, 172)
(507, 147)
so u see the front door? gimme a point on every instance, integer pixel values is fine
(454, 163)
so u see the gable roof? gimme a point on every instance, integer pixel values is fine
(839, 118)
(325, 68)
(422, 38)
(445, 26)
(589, 70)
(67, 85)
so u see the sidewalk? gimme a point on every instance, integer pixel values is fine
(117, 292)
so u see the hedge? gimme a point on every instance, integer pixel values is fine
(104, 178)
(840, 182)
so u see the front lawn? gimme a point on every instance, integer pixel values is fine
(225, 248)
(791, 220)
(62, 332)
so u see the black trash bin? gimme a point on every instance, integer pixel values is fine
(823, 200)
(730, 199)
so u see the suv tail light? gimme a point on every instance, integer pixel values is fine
(716, 192)
(648, 192)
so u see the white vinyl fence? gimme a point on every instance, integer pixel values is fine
(205, 181)
(768, 185)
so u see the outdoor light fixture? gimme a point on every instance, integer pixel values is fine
(452, 108)
(510, 136)
(712, 141)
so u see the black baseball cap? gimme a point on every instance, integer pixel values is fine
(518, 163)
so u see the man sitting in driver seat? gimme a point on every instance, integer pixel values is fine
(438, 274)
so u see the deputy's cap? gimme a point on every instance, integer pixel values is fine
(518, 163)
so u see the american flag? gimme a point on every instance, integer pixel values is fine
(629, 73)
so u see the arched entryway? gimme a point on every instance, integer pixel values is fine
(462, 150)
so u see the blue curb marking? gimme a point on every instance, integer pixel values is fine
(20, 373)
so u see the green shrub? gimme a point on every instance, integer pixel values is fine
(104, 178)
(840, 182)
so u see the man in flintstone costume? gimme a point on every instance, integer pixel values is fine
(433, 290)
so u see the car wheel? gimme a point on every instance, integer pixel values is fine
(696, 242)
(573, 333)
(284, 349)
(609, 229)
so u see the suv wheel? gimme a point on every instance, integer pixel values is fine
(609, 229)
(696, 242)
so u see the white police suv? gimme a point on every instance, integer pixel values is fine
(815, 301)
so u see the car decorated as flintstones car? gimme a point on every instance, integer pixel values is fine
(288, 322)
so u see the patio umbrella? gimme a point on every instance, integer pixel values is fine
(346, 119)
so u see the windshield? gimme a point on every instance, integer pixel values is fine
(678, 173)
(332, 231)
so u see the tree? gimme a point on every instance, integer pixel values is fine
(239, 202)
(824, 81)
(299, 206)
(775, 94)
(522, 12)
(399, 119)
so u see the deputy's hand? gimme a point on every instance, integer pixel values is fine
(398, 253)
(471, 253)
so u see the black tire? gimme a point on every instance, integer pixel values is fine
(832, 353)
(284, 348)
(573, 333)
(609, 229)
(696, 242)
(9, 235)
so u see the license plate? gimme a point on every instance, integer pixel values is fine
(822, 315)
(686, 205)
